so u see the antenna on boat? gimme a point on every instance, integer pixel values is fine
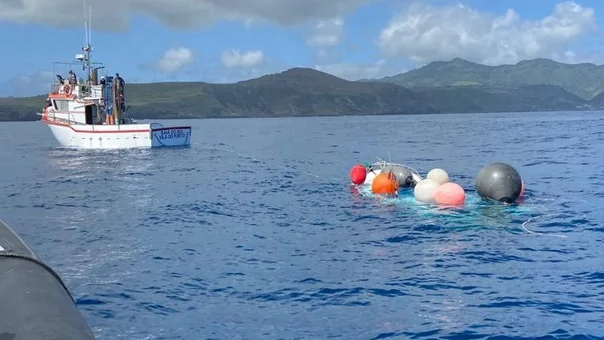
(88, 47)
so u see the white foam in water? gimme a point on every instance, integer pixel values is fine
(468, 215)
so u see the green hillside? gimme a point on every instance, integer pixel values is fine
(583, 80)
(523, 99)
(307, 92)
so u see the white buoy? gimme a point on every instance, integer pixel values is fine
(440, 176)
(424, 190)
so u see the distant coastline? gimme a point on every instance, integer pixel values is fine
(451, 87)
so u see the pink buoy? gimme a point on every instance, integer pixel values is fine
(450, 194)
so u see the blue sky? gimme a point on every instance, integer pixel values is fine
(232, 40)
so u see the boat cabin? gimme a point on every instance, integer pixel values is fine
(92, 102)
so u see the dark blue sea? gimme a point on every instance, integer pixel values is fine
(254, 232)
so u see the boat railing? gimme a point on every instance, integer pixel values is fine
(70, 120)
(155, 125)
(80, 90)
(381, 164)
(54, 88)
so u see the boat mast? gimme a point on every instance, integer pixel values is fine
(88, 47)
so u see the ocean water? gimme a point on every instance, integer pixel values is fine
(254, 232)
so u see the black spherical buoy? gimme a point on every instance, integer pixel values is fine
(500, 182)
(402, 174)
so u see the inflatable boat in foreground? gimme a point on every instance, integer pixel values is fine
(34, 301)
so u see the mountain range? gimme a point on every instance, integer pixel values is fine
(456, 86)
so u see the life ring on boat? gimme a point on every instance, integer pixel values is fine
(67, 89)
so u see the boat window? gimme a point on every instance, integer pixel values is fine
(54, 104)
(62, 105)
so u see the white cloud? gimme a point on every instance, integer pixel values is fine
(236, 58)
(424, 33)
(114, 14)
(327, 33)
(175, 59)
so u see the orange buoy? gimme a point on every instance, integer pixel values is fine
(385, 184)
(358, 174)
(450, 194)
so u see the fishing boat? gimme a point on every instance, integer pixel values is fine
(92, 112)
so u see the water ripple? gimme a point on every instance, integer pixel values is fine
(256, 234)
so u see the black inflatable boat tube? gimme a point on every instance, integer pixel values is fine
(34, 301)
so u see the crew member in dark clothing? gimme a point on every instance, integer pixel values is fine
(120, 80)
(71, 77)
(121, 99)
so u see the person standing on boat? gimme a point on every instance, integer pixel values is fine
(120, 80)
(102, 82)
(121, 83)
(71, 77)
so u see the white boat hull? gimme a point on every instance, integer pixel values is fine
(123, 136)
(371, 175)
(379, 166)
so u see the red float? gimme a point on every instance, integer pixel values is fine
(358, 173)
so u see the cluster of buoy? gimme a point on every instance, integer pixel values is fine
(385, 181)
(437, 189)
(496, 181)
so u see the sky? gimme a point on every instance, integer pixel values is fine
(224, 41)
